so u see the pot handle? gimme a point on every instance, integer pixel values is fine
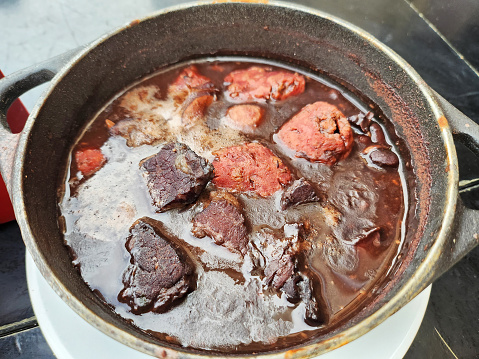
(16, 84)
(465, 234)
(12, 87)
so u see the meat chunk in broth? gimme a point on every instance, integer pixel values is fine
(319, 132)
(300, 191)
(245, 117)
(175, 176)
(160, 273)
(259, 83)
(250, 167)
(284, 258)
(194, 92)
(223, 221)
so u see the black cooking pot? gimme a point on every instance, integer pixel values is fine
(440, 230)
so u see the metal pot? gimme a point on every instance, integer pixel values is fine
(440, 230)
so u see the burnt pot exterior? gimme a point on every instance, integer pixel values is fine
(303, 38)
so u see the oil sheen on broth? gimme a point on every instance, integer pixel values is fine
(283, 244)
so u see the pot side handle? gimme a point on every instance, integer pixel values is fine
(465, 234)
(12, 87)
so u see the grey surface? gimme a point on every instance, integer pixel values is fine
(31, 31)
(28, 344)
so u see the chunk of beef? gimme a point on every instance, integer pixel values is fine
(319, 132)
(291, 288)
(245, 117)
(223, 221)
(377, 134)
(160, 272)
(89, 160)
(250, 167)
(300, 191)
(285, 270)
(194, 93)
(258, 83)
(175, 176)
(310, 294)
(280, 257)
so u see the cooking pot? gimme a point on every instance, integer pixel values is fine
(439, 228)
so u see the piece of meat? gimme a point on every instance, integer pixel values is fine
(280, 256)
(89, 160)
(258, 83)
(300, 191)
(223, 221)
(195, 110)
(187, 81)
(284, 269)
(140, 117)
(160, 272)
(319, 132)
(139, 132)
(311, 296)
(194, 93)
(175, 176)
(291, 289)
(245, 117)
(250, 167)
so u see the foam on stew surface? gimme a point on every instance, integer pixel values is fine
(280, 254)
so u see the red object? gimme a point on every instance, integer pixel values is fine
(250, 167)
(89, 160)
(257, 83)
(319, 132)
(16, 117)
(189, 79)
(246, 117)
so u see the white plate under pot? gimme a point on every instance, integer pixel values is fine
(66, 332)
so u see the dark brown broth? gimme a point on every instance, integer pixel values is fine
(343, 288)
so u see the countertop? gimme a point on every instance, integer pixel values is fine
(440, 39)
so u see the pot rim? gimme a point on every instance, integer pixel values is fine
(408, 291)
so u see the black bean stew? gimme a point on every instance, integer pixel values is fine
(234, 206)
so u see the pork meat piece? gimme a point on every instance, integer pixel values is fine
(300, 191)
(280, 257)
(175, 176)
(137, 132)
(245, 117)
(310, 294)
(189, 80)
(223, 221)
(284, 263)
(89, 160)
(319, 133)
(258, 83)
(160, 272)
(194, 93)
(250, 167)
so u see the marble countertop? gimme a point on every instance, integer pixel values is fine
(440, 39)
